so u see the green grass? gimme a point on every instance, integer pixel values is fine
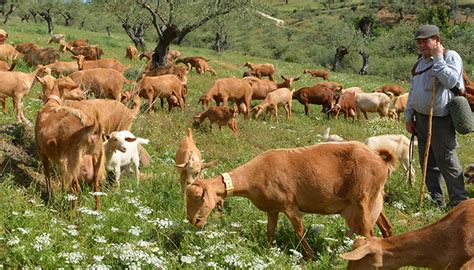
(144, 226)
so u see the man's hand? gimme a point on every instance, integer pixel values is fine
(411, 127)
(437, 49)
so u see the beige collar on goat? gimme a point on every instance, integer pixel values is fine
(229, 186)
(55, 98)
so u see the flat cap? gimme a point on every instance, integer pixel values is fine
(427, 31)
(3, 33)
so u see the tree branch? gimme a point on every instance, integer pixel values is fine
(154, 14)
(171, 4)
(204, 20)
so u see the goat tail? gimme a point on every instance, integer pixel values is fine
(190, 134)
(142, 141)
(388, 157)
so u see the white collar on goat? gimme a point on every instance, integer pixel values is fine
(55, 98)
(229, 186)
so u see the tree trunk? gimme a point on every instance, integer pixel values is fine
(68, 19)
(26, 18)
(365, 63)
(108, 31)
(81, 25)
(170, 33)
(48, 17)
(9, 13)
(220, 42)
(33, 14)
(341, 51)
(136, 34)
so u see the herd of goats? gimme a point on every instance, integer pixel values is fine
(336, 177)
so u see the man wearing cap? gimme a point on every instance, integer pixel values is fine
(3, 36)
(445, 67)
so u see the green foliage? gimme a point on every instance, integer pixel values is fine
(436, 14)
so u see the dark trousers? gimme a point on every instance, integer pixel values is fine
(442, 159)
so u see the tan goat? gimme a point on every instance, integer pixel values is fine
(317, 73)
(17, 84)
(5, 67)
(99, 63)
(62, 68)
(103, 82)
(344, 178)
(43, 56)
(281, 96)
(131, 52)
(64, 135)
(227, 89)
(445, 244)
(78, 42)
(260, 88)
(162, 87)
(26, 47)
(398, 107)
(372, 102)
(56, 38)
(199, 63)
(335, 86)
(178, 70)
(262, 70)
(222, 115)
(395, 89)
(8, 52)
(90, 52)
(189, 161)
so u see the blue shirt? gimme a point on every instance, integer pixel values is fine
(448, 72)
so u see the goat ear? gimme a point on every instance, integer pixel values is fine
(209, 164)
(128, 139)
(105, 137)
(207, 197)
(182, 165)
(358, 253)
(297, 78)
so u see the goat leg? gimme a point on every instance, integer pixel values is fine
(296, 220)
(271, 226)
(384, 225)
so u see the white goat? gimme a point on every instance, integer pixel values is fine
(121, 150)
(331, 138)
(398, 144)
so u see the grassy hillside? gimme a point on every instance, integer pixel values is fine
(145, 225)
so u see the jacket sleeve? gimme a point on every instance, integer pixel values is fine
(449, 70)
(409, 111)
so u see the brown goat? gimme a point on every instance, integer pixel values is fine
(317, 73)
(162, 87)
(189, 161)
(228, 89)
(64, 135)
(27, 47)
(199, 63)
(99, 63)
(445, 244)
(43, 56)
(315, 95)
(222, 115)
(8, 52)
(78, 42)
(103, 82)
(131, 52)
(345, 103)
(261, 88)
(335, 86)
(395, 89)
(398, 107)
(17, 85)
(90, 52)
(344, 178)
(262, 70)
(178, 70)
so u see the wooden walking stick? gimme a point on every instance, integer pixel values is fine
(427, 147)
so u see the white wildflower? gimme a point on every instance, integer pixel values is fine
(98, 266)
(70, 197)
(88, 211)
(72, 257)
(296, 256)
(23, 231)
(114, 209)
(162, 223)
(71, 229)
(261, 221)
(188, 259)
(135, 230)
(399, 206)
(13, 241)
(212, 264)
(98, 193)
(114, 229)
(42, 241)
(98, 258)
(100, 239)
(235, 225)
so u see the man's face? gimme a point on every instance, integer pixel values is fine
(426, 45)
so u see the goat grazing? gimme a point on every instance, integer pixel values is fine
(330, 178)
(445, 244)
(222, 115)
(317, 73)
(262, 70)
